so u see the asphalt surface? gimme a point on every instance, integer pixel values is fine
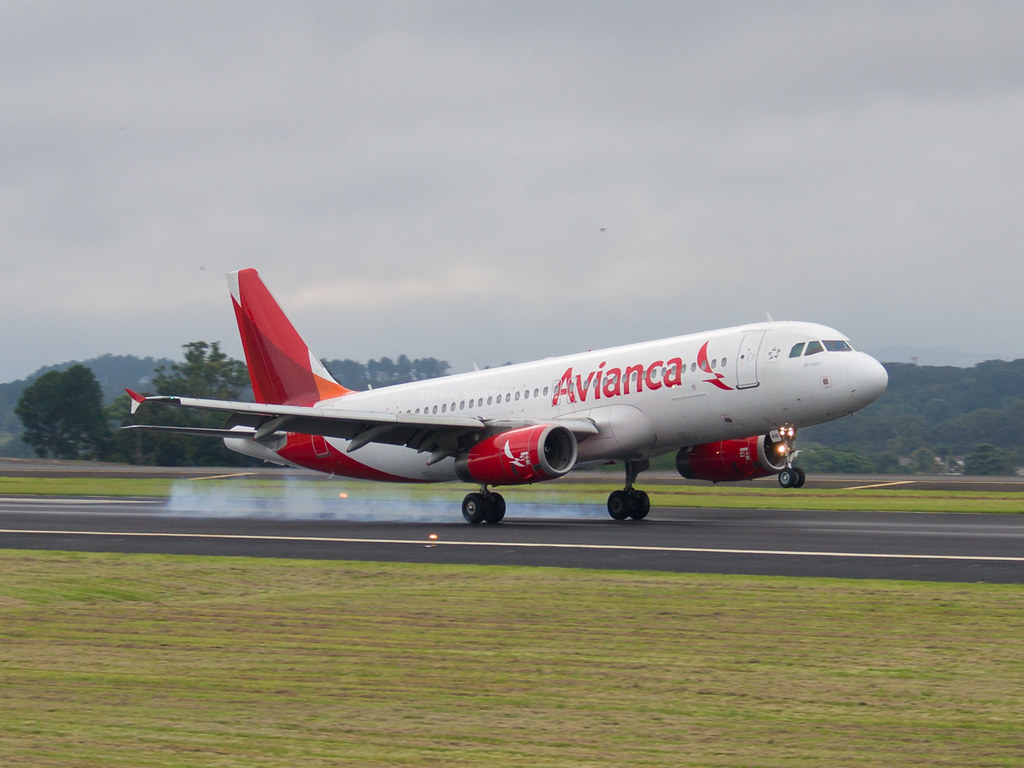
(940, 547)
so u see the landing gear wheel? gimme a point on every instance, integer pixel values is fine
(792, 477)
(495, 508)
(641, 505)
(619, 505)
(474, 508)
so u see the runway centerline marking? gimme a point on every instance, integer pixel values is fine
(523, 545)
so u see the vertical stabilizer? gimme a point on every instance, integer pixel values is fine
(282, 368)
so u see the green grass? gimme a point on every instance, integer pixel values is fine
(764, 496)
(120, 660)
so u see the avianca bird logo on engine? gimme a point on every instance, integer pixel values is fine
(523, 461)
(605, 383)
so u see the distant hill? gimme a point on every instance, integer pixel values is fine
(926, 356)
(945, 409)
(114, 373)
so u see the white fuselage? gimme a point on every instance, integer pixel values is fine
(645, 399)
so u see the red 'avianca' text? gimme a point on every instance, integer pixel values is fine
(605, 383)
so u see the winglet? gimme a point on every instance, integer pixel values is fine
(137, 399)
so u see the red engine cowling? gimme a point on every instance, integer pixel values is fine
(519, 456)
(732, 459)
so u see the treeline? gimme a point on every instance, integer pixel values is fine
(66, 412)
(930, 419)
(383, 372)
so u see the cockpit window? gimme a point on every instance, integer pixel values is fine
(797, 350)
(813, 348)
(838, 346)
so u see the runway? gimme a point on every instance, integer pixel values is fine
(928, 547)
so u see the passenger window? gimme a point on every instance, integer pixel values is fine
(813, 348)
(797, 350)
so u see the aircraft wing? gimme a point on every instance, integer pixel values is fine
(441, 435)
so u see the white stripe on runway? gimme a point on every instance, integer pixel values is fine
(524, 545)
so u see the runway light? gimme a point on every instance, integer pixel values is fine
(432, 537)
(342, 495)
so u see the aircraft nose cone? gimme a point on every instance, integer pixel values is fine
(867, 379)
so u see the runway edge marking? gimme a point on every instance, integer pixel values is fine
(523, 545)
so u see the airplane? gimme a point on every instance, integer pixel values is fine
(728, 402)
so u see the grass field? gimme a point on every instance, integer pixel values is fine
(596, 493)
(120, 660)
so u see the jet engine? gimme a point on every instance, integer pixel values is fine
(727, 460)
(519, 456)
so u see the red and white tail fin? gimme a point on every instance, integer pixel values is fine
(282, 368)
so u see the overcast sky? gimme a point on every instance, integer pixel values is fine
(499, 181)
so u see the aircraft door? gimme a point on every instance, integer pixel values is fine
(746, 360)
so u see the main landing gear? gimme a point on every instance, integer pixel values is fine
(790, 476)
(485, 506)
(629, 502)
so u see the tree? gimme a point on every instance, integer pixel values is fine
(922, 462)
(987, 459)
(62, 413)
(207, 373)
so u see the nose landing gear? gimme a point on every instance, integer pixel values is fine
(790, 476)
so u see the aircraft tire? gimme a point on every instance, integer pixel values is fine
(474, 508)
(641, 505)
(787, 478)
(801, 477)
(496, 508)
(619, 505)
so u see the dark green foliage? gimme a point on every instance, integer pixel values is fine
(384, 372)
(944, 410)
(62, 414)
(206, 372)
(987, 459)
(209, 373)
(829, 460)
